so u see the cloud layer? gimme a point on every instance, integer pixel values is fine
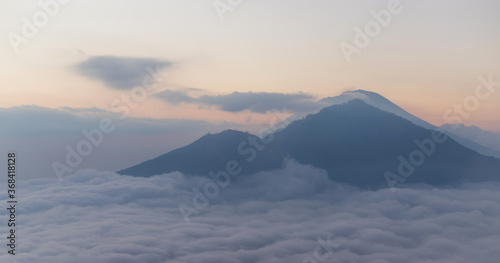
(120, 73)
(41, 136)
(259, 102)
(268, 217)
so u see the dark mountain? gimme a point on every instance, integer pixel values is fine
(376, 100)
(354, 142)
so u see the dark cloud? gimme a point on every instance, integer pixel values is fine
(120, 72)
(83, 110)
(259, 102)
(175, 96)
(270, 217)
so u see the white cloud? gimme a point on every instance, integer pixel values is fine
(267, 217)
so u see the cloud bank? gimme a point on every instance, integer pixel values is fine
(32, 120)
(276, 216)
(120, 73)
(40, 135)
(259, 102)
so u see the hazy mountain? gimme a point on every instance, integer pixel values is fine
(486, 138)
(354, 142)
(384, 104)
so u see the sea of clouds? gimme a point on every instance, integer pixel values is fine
(278, 216)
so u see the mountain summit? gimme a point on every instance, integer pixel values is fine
(378, 101)
(354, 142)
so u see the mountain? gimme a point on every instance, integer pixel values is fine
(485, 138)
(354, 142)
(378, 101)
(384, 104)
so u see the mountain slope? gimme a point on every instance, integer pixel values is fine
(208, 153)
(384, 104)
(366, 142)
(378, 101)
(354, 142)
(475, 134)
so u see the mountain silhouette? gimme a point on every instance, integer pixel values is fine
(376, 100)
(354, 142)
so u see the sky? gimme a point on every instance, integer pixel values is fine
(66, 65)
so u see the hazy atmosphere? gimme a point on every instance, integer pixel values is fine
(246, 131)
(86, 59)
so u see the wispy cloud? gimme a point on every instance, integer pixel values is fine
(83, 110)
(259, 102)
(176, 96)
(120, 73)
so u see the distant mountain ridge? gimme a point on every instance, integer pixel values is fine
(354, 142)
(485, 138)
